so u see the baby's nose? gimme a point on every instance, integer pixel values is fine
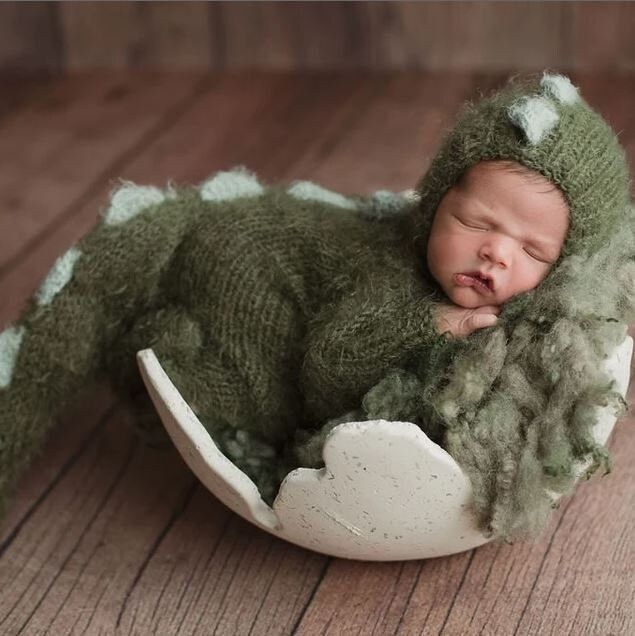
(497, 250)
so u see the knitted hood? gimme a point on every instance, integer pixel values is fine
(545, 125)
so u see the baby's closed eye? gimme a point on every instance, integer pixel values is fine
(531, 252)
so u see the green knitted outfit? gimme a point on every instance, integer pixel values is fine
(279, 312)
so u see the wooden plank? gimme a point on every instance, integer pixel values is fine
(612, 95)
(18, 89)
(232, 580)
(585, 583)
(371, 598)
(391, 144)
(575, 579)
(65, 444)
(106, 511)
(29, 38)
(468, 36)
(124, 35)
(291, 36)
(61, 143)
(601, 36)
(462, 36)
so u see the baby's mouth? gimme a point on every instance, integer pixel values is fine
(475, 279)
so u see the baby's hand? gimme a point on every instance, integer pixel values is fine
(460, 321)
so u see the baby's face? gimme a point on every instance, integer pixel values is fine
(508, 226)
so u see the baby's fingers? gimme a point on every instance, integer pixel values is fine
(480, 321)
(488, 309)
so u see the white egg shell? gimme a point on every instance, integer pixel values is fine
(387, 492)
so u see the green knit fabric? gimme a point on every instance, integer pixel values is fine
(269, 312)
(280, 311)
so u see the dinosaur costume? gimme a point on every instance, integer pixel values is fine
(279, 312)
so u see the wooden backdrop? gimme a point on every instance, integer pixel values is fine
(461, 36)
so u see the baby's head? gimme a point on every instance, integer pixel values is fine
(527, 177)
(502, 221)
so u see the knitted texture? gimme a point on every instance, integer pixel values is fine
(270, 312)
(281, 312)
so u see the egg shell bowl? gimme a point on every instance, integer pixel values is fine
(386, 492)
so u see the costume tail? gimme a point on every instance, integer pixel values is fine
(87, 302)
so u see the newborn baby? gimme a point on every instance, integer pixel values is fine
(276, 309)
(495, 234)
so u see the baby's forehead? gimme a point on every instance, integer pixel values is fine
(504, 170)
(519, 182)
(499, 191)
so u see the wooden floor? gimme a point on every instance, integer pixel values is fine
(106, 535)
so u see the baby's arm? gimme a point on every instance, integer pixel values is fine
(351, 345)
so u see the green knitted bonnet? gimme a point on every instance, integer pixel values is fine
(544, 124)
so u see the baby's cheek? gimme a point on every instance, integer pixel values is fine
(443, 251)
(438, 261)
(528, 277)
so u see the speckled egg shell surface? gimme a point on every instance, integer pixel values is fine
(387, 492)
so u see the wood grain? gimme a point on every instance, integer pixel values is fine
(141, 35)
(65, 444)
(19, 89)
(482, 36)
(461, 36)
(59, 144)
(29, 37)
(601, 39)
(106, 535)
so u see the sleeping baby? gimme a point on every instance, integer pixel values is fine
(495, 234)
(276, 309)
